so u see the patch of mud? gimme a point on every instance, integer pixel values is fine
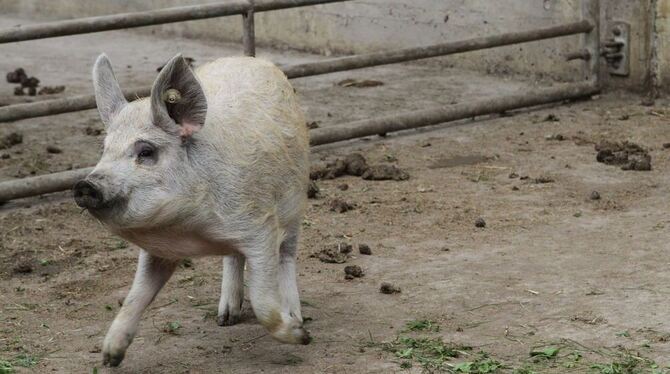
(360, 83)
(11, 140)
(340, 206)
(629, 156)
(51, 90)
(389, 288)
(353, 271)
(385, 172)
(334, 253)
(356, 165)
(456, 161)
(364, 249)
(313, 190)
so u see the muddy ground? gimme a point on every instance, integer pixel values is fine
(554, 267)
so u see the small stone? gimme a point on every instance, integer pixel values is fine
(544, 180)
(556, 137)
(353, 271)
(515, 188)
(340, 206)
(513, 175)
(479, 222)
(595, 195)
(343, 187)
(666, 145)
(92, 131)
(5, 156)
(364, 249)
(23, 268)
(388, 288)
(551, 118)
(53, 149)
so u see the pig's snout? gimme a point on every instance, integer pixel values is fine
(87, 195)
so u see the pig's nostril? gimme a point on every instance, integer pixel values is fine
(86, 195)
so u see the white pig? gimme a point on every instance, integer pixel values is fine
(215, 162)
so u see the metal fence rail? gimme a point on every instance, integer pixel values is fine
(148, 18)
(64, 180)
(84, 102)
(403, 121)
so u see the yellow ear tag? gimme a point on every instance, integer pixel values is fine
(171, 96)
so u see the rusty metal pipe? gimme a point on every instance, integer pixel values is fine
(147, 18)
(77, 103)
(33, 186)
(410, 54)
(428, 117)
(41, 184)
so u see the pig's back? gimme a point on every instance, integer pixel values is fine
(257, 129)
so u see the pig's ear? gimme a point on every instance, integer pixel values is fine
(108, 95)
(178, 104)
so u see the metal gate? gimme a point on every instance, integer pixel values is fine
(589, 52)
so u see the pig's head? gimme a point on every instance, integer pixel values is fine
(145, 171)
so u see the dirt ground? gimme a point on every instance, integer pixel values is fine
(553, 268)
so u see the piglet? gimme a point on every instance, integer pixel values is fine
(214, 163)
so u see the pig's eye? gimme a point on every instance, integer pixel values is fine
(146, 152)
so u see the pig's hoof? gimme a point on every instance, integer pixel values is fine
(112, 359)
(295, 335)
(228, 319)
(228, 314)
(114, 348)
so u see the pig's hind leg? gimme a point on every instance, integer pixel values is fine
(152, 273)
(232, 290)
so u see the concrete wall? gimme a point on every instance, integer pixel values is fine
(367, 25)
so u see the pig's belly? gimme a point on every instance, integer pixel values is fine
(172, 244)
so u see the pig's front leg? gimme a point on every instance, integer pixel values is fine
(152, 273)
(288, 286)
(232, 290)
(263, 258)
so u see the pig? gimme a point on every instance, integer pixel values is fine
(214, 163)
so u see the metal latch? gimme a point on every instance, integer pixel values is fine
(616, 50)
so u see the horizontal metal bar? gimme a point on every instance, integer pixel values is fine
(33, 186)
(77, 103)
(57, 106)
(409, 54)
(428, 117)
(147, 18)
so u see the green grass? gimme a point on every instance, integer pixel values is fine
(172, 328)
(6, 367)
(422, 325)
(628, 363)
(430, 353)
(482, 365)
(25, 360)
(418, 345)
